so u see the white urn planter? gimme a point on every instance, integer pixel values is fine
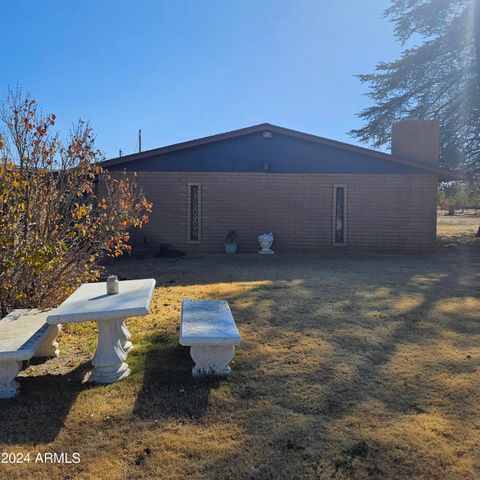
(266, 240)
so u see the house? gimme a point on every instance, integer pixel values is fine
(314, 194)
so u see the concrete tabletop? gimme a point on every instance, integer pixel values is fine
(207, 322)
(91, 302)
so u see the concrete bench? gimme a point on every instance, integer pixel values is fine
(23, 334)
(208, 328)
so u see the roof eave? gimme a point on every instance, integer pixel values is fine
(452, 175)
(184, 145)
(443, 174)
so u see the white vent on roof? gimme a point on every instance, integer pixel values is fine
(267, 134)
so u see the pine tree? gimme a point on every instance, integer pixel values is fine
(438, 78)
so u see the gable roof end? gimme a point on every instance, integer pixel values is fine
(443, 173)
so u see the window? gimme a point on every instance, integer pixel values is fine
(194, 212)
(339, 214)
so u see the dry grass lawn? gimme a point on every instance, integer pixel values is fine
(351, 367)
(460, 227)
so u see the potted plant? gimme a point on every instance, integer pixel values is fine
(231, 242)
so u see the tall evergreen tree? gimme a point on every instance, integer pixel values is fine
(437, 76)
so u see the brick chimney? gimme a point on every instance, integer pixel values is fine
(418, 140)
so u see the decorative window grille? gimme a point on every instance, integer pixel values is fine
(194, 212)
(339, 214)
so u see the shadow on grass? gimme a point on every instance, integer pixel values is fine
(38, 413)
(386, 341)
(168, 388)
(351, 367)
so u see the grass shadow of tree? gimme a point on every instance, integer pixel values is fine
(316, 419)
(168, 388)
(38, 413)
(313, 392)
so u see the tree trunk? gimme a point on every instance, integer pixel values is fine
(476, 35)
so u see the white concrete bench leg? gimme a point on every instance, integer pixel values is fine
(8, 371)
(49, 346)
(125, 337)
(212, 360)
(109, 360)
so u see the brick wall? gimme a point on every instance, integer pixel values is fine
(386, 213)
(417, 140)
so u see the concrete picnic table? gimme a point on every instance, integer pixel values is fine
(92, 303)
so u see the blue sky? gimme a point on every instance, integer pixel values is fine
(185, 69)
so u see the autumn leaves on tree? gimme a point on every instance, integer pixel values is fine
(59, 210)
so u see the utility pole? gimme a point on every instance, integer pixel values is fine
(139, 140)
